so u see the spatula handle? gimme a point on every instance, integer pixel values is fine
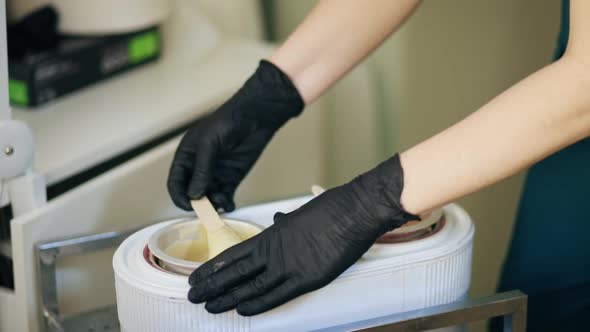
(207, 213)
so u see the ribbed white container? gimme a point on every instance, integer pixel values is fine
(389, 279)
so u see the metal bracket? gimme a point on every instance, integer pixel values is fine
(103, 319)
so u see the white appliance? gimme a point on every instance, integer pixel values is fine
(390, 278)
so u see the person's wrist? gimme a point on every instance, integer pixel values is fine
(273, 79)
(381, 193)
(269, 96)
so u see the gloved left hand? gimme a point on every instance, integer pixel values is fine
(306, 249)
(215, 154)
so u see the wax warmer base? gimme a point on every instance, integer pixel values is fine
(390, 278)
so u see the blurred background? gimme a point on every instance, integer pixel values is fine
(449, 59)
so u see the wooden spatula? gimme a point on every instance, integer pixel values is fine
(219, 235)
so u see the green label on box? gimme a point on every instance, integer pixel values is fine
(144, 46)
(18, 92)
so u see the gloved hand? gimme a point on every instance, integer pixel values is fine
(216, 154)
(305, 249)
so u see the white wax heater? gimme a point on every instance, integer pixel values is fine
(410, 271)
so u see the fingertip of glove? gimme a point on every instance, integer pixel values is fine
(192, 295)
(199, 274)
(194, 278)
(196, 296)
(182, 202)
(215, 307)
(178, 196)
(278, 217)
(222, 201)
(229, 206)
(246, 309)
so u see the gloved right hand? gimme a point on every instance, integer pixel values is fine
(305, 249)
(215, 155)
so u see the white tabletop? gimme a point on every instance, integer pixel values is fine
(90, 126)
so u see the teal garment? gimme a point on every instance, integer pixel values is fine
(564, 30)
(549, 256)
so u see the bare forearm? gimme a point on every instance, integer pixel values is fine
(540, 115)
(334, 37)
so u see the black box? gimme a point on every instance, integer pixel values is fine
(78, 62)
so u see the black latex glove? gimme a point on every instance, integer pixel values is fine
(217, 153)
(305, 249)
